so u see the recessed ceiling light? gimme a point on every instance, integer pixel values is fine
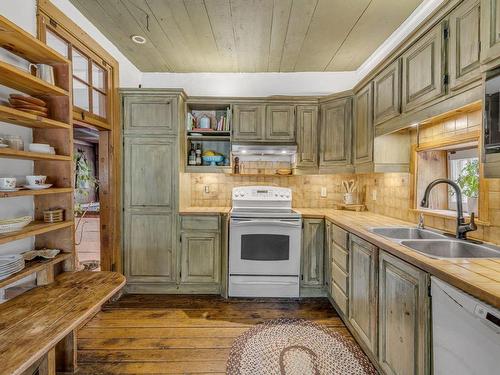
(138, 39)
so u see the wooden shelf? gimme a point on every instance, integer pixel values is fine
(260, 175)
(27, 192)
(208, 169)
(23, 81)
(32, 266)
(17, 117)
(209, 138)
(23, 44)
(209, 134)
(17, 154)
(33, 229)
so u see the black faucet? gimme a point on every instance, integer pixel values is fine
(462, 227)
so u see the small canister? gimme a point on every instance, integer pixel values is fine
(53, 215)
(15, 142)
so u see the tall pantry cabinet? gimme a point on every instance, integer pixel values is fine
(150, 188)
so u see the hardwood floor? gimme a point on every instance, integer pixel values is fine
(167, 334)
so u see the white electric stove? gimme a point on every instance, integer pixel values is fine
(264, 243)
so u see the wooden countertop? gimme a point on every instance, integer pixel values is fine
(478, 277)
(204, 210)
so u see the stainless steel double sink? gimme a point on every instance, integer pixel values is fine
(436, 245)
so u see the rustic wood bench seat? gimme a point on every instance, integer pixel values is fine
(40, 325)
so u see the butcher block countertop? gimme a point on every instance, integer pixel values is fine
(204, 210)
(478, 277)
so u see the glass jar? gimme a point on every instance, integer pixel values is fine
(15, 142)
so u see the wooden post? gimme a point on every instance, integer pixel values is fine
(48, 364)
(66, 354)
(45, 276)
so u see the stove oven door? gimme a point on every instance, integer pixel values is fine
(265, 247)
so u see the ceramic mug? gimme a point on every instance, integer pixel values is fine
(7, 183)
(36, 180)
(43, 71)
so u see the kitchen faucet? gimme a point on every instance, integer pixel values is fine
(462, 227)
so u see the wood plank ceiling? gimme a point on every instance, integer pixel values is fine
(247, 35)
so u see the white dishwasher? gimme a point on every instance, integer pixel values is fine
(465, 333)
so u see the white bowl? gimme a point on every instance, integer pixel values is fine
(39, 147)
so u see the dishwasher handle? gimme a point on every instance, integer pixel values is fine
(483, 313)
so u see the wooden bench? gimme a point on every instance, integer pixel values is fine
(38, 328)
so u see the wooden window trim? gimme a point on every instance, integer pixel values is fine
(442, 143)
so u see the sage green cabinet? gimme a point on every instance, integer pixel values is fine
(312, 253)
(328, 255)
(248, 122)
(200, 257)
(363, 128)
(149, 114)
(464, 42)
(280, 123)
(387, 93)
(307, 136)
(404, 319)
(363, 290)
(490, 30)
(336, 135)
(424, 69)
(340, 268)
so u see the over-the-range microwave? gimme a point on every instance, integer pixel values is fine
(491, 123)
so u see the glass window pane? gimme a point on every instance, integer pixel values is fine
(80, 95)
(57, 43)
(98, 103)
(80, 65)
(98, 77)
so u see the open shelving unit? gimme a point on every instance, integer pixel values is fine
(56, 131)
(215, 140)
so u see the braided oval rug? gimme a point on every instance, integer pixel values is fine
(296, 347)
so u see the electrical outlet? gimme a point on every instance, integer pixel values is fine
(207, 189)
(374, 195)
(323, 192)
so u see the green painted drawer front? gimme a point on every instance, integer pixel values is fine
(200, 223)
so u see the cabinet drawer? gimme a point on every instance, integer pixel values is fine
(340, 257)
(339, 236)
(200, 222)
(340, 298)
(340, 278)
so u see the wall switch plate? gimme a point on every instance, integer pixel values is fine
(374, 195)
(207, 189)
(323, 192)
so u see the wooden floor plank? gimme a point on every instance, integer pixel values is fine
(166, 334)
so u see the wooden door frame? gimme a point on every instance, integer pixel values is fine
(109, 161)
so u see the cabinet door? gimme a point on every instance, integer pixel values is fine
(149, 114)
(307, 136)
(490, 30)
(248, 122)
(150, 172)
(280, 123)
(200, 257)
(312, 253)
(423, 69)
(464, 41)
(148, 247)
(328, 255)
(387, 93)
(404, 347)
(363, 126)
(363, 291)
(335, 143)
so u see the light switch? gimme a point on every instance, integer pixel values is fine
(323, 192)
(374, 195)
(207, 189)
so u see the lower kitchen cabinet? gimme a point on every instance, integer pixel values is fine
(363, 290)
(328, 256)
(312, 253)
(404, 319)
(200, 257)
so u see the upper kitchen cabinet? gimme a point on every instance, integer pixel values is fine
(424, 69)
(149, 114)
(336, 136)
(490, 30)
(464, 42)
(280, 123)
(363, 129)
(307, 136)
(387, 93)
(248, 122)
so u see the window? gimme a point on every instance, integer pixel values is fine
(463, 168)
(90, 89)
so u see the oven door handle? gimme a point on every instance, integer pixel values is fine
(241, 223)
(264, 282)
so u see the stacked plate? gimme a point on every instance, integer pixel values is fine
(11, 225)
(10, 264)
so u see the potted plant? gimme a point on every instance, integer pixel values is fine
(469, 183)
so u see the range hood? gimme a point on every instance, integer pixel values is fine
(263, 150)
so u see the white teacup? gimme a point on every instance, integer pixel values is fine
(36, 180)
(7, 183)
